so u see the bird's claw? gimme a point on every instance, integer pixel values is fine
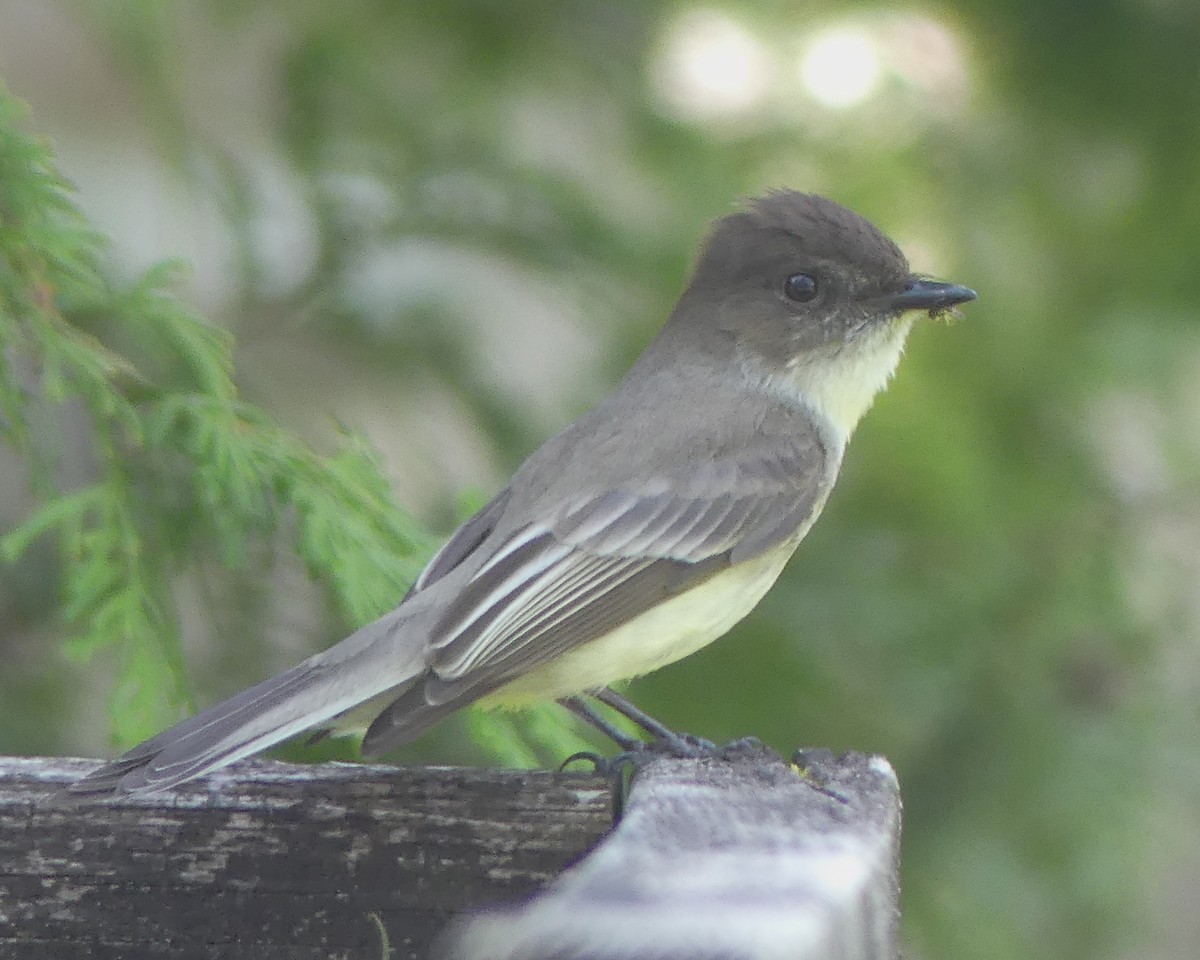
(740, 746)
(608, 766)
(685, 746)
(682, 746)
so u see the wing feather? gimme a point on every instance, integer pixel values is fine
(607, 557)
(476, 634)
(554, 628)
(465, 541)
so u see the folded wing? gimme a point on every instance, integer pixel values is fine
(598, 563)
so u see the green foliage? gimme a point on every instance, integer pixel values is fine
(177, 455)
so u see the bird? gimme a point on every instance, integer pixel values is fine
(640, 532)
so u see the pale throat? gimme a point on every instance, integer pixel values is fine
(841, 386)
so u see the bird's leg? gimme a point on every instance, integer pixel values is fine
(635, 751)
(681, 744)
(581, 708)
(630, 710)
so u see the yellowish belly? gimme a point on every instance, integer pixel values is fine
(662, 635)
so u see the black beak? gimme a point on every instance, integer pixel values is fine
(931, 295)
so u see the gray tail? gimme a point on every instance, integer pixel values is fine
(364, 666)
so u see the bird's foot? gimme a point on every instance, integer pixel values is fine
(682, 746)
(688, 747)
(610, 766)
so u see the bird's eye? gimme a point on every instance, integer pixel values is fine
(800, 287)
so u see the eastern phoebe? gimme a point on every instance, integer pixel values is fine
(643, 531)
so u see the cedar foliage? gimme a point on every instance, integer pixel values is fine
(174, 446)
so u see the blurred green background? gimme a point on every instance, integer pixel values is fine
(449, 226)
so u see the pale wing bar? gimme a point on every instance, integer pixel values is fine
(598, 545)
(582, 581)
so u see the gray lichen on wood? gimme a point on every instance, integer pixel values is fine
(753, 859)
(746, 857)
(277, 860)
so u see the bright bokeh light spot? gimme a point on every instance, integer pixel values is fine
(841, 68)
(888, 74)
(926, 55)
(713, 66)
